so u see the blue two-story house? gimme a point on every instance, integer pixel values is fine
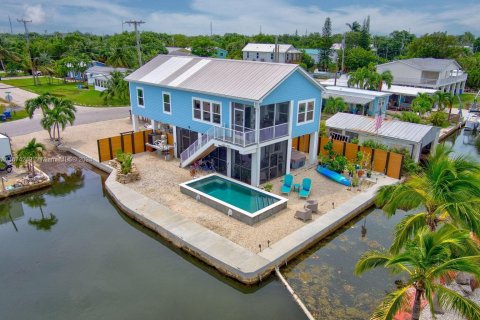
(243, 115)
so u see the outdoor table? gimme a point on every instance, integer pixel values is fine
(296, 187)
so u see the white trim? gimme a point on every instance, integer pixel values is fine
(211, 111)
(163, 102)
(281, 200)
(306, 101)
(143, 97)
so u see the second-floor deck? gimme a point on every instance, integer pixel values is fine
(430, 82)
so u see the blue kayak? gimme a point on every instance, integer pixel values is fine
(337, 177)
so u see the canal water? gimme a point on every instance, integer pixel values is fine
(69, 253)
(323, 276)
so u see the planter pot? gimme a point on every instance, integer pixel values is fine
(360, 173)
(369, 174)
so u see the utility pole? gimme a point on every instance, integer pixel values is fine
(136, 23)
(343, 52)
(10, 21)
(211, 29)
(28, 47)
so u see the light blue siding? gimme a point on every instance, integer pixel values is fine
(297, 88)
(181, 106)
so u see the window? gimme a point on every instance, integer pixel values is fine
(258, 55)
(167, 106)
(248, 55)
(271, 56)
(207, 111)
(140, 99)
(306, 111)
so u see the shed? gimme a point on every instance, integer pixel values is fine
(416, 138)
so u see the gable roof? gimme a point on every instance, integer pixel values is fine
(268, 47)
(105, 70)
(393, 129)
(426, 64)
(247, 80)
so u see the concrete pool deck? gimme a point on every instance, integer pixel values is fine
(228, 257)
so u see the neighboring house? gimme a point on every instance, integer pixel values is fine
(401, 97)
(220, 53)
(439, 74)
(359, 101)
(99, 76)
(241, 114)
(269, 52)
(77, 75)
(315, 54)
(416, 138)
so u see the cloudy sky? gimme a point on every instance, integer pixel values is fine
(244, 16)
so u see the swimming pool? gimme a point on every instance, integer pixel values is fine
(237, 199)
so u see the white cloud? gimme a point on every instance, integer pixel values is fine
(35, 13)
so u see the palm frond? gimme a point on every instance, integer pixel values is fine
(393, 302)
(452, 300)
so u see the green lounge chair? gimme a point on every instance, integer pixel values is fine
(287, 184)
(306, 187)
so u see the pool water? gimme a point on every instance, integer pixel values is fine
(235, 194)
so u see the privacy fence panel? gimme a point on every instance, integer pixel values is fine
(383, 161)
(131, 142)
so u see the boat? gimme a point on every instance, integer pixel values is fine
(337, 177)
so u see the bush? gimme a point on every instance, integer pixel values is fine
(411, 117)
(126, 160)
(338, 164)
(323, 129)
(374, 145)
(439, 119)
(354, 141)
(268, 187)
(409, 166)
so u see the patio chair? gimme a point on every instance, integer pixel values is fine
(304, 215)
(306, 187)
(287, 184)
(312, 205)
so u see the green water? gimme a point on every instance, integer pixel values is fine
(68, 253)
(323, 276)
(233, 193)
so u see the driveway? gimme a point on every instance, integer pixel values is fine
(84, 114)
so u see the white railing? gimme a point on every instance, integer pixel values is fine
(274, 132)
(244, 138)
(452, 79)
(415, 81)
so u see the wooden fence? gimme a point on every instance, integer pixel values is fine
(387, 162)
(131, 142)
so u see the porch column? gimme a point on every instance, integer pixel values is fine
(229, 162)
(457, 88)
(155, 124)
(312, 155)
(257, 121)
(175, 149)
(416, 152)
(135, 122)
(289, 155)
(463, 87)
(255, 169)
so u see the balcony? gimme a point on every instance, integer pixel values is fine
(430, 82)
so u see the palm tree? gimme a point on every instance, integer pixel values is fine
(5, 54)
(116, 87)
(334, 105)
(354, 26)
(29, 154)
(61, 114)
(359, 78)
(441, 99)
(450, 99)
(426, 259)
(447, 192)
(384, 77)
(120, 57)
(41, 102)
(422, 103)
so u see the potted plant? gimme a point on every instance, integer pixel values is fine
(268, 187)
(351, 169)
(355, 181)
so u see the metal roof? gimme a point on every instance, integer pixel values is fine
(105, 70)
(391, 129)
(347, 98)
(426, 64)
(248, 80)
(268, 47)
(358, 92)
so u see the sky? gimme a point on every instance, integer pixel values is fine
(193, 17)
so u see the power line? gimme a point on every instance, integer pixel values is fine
(136, 23)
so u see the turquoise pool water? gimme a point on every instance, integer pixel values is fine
(233, 193)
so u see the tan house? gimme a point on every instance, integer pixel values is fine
(439, 74)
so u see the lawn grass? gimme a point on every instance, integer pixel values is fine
(85, 97)
(467, 100)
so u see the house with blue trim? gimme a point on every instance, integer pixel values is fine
(360, 101)
(220, 53)
(243, 115)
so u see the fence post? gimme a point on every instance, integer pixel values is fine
(110, 145)
(98, 148)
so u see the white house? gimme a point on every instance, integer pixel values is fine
(269, 52)
(440, 74)
(99, 76)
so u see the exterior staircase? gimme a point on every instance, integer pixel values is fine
(216, 136)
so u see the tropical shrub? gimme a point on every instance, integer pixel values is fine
(323, 129)
(374, 145)
(268, 187)
(439, 119)
(334, 105)
(126, 160)
(411, 117)
(354, 141)
(338, 164)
